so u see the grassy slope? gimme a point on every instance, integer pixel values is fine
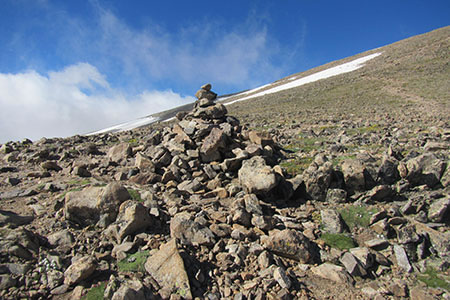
(413, 73)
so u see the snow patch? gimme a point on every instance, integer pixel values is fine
(341, 69)
(127, 125)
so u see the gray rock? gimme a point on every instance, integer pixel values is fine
(402, 258)
(19, 242)
(11, 218)
(290, 243)
(50, 165)
(352, 265)
(282, 278)
(119, 152)
(79, 270)
(407, 234)
(61, 238)
(211, 144)
(439, 210)
(317, 178)
(81, 171)
(331, 221)
(332, 272)
(425, 169)
(167, 267)
(188, 231)
(130, 290)
(132, 217)
(92, 204)
(257, 177)
(252, 205)
(356, 175)
(7, 281)
(364, 256)
(336, 196)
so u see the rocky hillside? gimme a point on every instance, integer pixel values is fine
(335, 190)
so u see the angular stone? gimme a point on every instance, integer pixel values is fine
(167, 267)
(402, 258)
(260, 138)
(364, 256)
(336, 196)
(50, 165)
(291, 244)
(212, 143)
(131, 289)
(355, 175)
(11, 218)
(119, 152)
(189, 231)
(332, 272)
(92, 204)
(317, 178)
(388, 171)
(439, 210)
(352, 265)
(252, 205)
(282, 278)
(425, 169)
(132, 217)
(79, 270)
(331, 221)
(61, 238)
(257, 177)
(144, 163)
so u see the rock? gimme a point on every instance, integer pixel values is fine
(131, 289)
(119, 152)
(381, 193)
(425, 169)
(212, 143)
(50, 166)
(336, 196)
(290, 243)
(189, 231)
(80, 270)
(144, 163)
(356, 176)
(332, 272)
(331, 221)
(205, 93)
(388, 171)
(407, 234)
(11, 218)
(402, 258)
(19, 242)
(252, 205)
(167, 267)
(81, 171)
(93, 204)
(61, 238)
(352, 265)
(132, 217)
(439, 210)
(216, 111)
(12, 181)
(364, 256)
(317, 178)
(7, 281)
(282, 278)
(257, 177)
(260, 138)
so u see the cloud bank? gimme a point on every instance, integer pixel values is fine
(75, 100)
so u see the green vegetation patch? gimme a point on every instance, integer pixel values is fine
(135, 195)
(355, 216)
(296, 165)
(133, 262)
(96, 293)
(432, 279)
(338, 240)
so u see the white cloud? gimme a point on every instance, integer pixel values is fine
(75, 100)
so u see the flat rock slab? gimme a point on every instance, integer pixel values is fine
(167, 267)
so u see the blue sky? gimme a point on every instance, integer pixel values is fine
(69, 67)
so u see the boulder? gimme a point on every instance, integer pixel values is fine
(119, 152)
(212, 143)
(425, 169)
(257, 177)
(132, 217)
(188, 231)
(317, 178)
(331, 221)
(144, 163)
(167, 267)
(356, 176)
(333, 273)
(79, 270)
(439, 210)
(290, 243)
(94, 204)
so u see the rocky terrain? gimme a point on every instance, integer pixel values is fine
(299, 201)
